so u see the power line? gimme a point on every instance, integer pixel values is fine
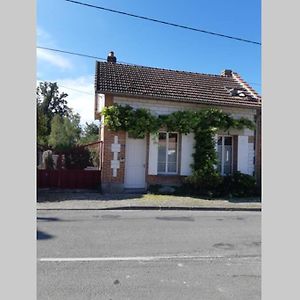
(69, 88)
(79, 54)
(79, 91)
(99, 58)
(72, 53)
(165, 22)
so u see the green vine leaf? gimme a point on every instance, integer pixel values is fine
(203, 123)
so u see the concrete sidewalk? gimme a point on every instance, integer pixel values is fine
(49, 200)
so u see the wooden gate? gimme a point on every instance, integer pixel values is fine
(69, 179)
(72, 178)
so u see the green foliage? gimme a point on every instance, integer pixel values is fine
(65, 132)
(180, 121)
(203, 123)
(42, 128)
(90, 133)
(204, 156)
(239, 185)
(77, 158)
(49, 103)
(204, 182)
(141, 121)
(137, 122)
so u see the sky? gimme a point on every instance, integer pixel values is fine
(75, 28)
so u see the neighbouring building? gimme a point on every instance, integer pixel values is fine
(129, 163)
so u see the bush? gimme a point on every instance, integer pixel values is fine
(212, 184)
(77, 158)
(239, 185)
(206, 183)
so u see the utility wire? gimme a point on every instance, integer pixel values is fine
(75, 90)
(72, 53)
(79, 54)
(99, 58)
(165, 22)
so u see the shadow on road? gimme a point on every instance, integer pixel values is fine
(43, 235)
(47, 219)
(63, 195)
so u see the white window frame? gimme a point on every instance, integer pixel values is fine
(167, 144)
(223, 144)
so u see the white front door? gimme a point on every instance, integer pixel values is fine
(135, 162)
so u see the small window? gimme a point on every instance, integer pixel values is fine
(167, 153)
(235, 92)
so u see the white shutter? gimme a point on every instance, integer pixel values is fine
(243, 149)
(216, 149)
(187, 150)
(153, 154)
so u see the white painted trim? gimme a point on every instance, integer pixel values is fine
(138, 180)
(242, 164)
(187, 150)
(134, 258)
(153, 154)
(146, 258)
(167, 143)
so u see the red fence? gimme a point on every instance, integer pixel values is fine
(69, 179)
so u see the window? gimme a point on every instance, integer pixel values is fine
(224, 153)
(167, 153)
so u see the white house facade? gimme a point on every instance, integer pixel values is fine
(165, 158)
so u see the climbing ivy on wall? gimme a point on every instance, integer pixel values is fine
(203, 123)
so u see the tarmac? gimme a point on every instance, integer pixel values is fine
(91, 200)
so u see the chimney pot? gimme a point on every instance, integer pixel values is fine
(111, 57)
(227, 73)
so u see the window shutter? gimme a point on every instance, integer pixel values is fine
(153, 154)
(187, 150)
(216, 149)
(235, 153)
(242, 160)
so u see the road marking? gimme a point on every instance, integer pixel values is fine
(135, 258)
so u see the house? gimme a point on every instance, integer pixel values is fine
(129, 163)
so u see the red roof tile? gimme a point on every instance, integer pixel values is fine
(179, 86)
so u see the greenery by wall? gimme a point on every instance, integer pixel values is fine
(203, 123)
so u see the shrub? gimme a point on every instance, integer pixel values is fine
(239, 185)
(205, 183)
(77, 158)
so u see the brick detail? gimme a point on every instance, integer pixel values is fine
(164, 179)
(107, 137)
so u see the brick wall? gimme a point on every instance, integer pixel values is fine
(164, 179)
(160, 107)
(108, 138)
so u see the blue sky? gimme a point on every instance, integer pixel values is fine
(66, 26)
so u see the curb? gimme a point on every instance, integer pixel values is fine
(162, 208)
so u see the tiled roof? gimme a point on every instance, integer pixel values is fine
(154, 83)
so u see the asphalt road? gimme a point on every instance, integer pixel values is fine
(148, 255)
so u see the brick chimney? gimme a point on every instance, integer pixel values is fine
(111, 57)
(227, 73)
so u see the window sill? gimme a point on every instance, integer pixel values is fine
(167, 174)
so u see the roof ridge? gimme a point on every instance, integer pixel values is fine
(238, 78)
(162, 69)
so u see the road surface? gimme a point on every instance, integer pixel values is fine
(148, 255)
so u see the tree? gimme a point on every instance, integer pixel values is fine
(49, 104)
(90, 133)
(65, 132)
